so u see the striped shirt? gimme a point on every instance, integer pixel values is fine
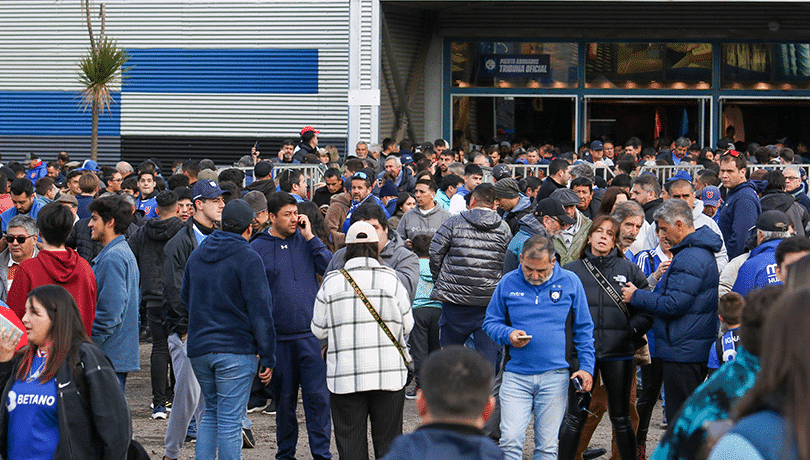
(361, 357)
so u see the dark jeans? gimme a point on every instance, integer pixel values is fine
(350, 413)
(459, 322)
(617, 377)
(651, 380)
(424, 338)
(299, 363)
(680, 380)
(160, 358)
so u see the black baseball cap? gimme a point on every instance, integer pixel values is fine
(552, 208)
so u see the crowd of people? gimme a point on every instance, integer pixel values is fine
(584, 285)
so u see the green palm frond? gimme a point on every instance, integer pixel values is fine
(102, 72)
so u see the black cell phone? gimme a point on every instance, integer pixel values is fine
(578, 384)
(256, 145)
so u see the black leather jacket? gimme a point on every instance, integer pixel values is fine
(94, 420)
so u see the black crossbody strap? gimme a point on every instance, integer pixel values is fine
(603, 282)
(374, 313)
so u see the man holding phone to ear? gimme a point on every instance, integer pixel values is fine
(529, 313)
(293, 257)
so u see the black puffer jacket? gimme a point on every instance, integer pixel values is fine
(94, 420)
(613, 332)
(147, 244)
(466, 257)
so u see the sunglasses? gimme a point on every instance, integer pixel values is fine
(20, 239)
(361, 175)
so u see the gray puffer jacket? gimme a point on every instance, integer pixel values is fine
(466, 257)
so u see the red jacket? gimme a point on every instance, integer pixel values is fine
(65, 268)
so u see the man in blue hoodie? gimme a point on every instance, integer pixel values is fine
(684, 302)
(739, 211)
(229, 325)
(293, 257)
(530, 312)
(760, 269)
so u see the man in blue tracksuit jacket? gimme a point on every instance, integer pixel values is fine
(760, 268)
(542, 300)
(739, 211)
(292, 257)
(684, 302)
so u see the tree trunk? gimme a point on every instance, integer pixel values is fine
(94, 134)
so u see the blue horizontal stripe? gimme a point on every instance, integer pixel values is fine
(264, 71)
(53, 113)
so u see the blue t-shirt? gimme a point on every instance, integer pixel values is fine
(33, 427)
(728, 343)
(425, 287)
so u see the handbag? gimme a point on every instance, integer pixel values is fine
(376, 316)
(638, 342)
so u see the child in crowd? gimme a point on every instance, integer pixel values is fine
(725, 348)
(424, 337)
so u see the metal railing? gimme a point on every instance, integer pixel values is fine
(314, 173)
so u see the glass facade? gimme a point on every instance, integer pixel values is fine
(514, 65)
(648, 65)
(757, 66)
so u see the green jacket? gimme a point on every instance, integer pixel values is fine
(571, 253)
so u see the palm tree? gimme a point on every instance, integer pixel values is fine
(101, 72)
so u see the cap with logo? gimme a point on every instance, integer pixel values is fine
(362, 232)
(552, 208)
(710, 196)
(89, 165)
(597, 145)
(501, 171)
(206, 189)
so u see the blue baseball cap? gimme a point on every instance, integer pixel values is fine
(89, 165)
(597, 145)
(406, 159)
(206, 189)
(710, 195)
(681, 175)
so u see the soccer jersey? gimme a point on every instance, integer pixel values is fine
(33, 428)
(727, 345)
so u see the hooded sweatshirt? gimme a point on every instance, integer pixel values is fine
(147, 244)
(228, 299)
(292, 265)
(785, 202)
(737, 215)
(64, 268)
(416, 222)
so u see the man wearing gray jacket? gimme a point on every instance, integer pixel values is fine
(426, 217)
(466, 260)
(393, 252)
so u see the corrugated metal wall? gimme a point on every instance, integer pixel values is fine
(41, 42)
(407, 34)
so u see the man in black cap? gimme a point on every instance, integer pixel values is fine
(569, 242)
(263, 175)
(512, 205)
(760, 269)
(230, 328)
(549, 218)
(501, 171)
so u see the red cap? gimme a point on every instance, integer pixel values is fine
(307, 129)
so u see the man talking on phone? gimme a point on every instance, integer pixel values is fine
(293, 257)
(540, 313)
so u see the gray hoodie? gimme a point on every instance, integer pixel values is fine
(415, 222)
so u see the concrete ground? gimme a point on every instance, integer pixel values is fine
(150, 432)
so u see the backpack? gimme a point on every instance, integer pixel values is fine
(770, 434)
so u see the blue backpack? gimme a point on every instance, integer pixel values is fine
(770, 434)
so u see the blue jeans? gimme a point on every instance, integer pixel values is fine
(544, 395)
(225, 380)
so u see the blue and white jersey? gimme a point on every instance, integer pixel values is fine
(727, 345)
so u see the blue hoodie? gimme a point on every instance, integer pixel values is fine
(759, 270)
(228, 300)
(737, 216)
(542, 311)
(291, 265)
(684, 302)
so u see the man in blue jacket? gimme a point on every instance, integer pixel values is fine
(24, 199)
(760, 269)
(529, 312)
(739, 212)
(229, 324)
(115, 329)
(684, 302)
(293, 257)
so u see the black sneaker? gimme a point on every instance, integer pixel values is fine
(590, 454)
(255, 405)
(411, 394)
(270, 409)
(247, 439)
(191, 438)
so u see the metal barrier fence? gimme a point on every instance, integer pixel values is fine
(313, 173)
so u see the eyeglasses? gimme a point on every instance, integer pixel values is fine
(20, 239)
(791, 178)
